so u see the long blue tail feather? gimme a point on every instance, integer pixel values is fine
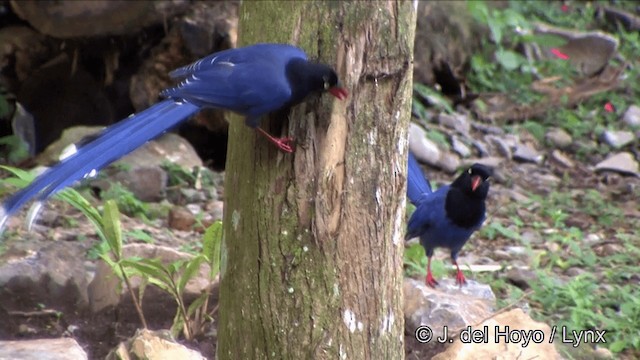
(113, 143)
(417, 185)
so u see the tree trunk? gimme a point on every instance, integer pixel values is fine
(312, 254)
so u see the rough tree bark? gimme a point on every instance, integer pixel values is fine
(312, 255)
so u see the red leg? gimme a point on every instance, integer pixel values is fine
(284, 144)
(430, 281)
(460, 280)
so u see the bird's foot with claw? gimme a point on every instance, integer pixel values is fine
(430, 281)
(460, 280)
(285, 144)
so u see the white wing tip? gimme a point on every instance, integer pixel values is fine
(3, 218)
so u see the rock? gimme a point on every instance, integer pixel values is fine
(496, 347)
(153, 345)
(481, 147)
(42, 349)
(181, 218)
(105, 290)
(592, 239)
(562, 159)
(147, 183)
(527, 154)
(492, 162)
(170, 147)
(502, 146)
(33, 275)
(425, 150)
(74, 19)
(558, 138)
(589, 52)
(207, 24)
(73, 135)
(574, 271)
(216, 209)
(623, 162)
(192, 195)
(631, 117)
(448, 304)
(521, 277)
(617, 139)
(458, 122)
(531, 238)
(449, 162)
(488, 129)
(460, 147)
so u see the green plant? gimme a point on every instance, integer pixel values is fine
(126, 200)
(173, 279)
(16, 149)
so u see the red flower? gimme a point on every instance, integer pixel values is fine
(559, 54)
(564, 8)
(608, 107)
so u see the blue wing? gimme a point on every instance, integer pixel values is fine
(251, 80)
(418, 188)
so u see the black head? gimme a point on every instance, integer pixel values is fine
(465, 200)
(306, 77)
(473, 182)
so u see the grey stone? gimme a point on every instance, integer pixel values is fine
(493, 161)
(216, 209)
(447, 305)
(76, 19)
(526, 153)
(623, 162)
(168, 148)
(460, 147)
(521, 277)
(51, 273)
(501, 145)
(449, 162)
(617, 139)
(482, 148)
(631, 117)
(562, 159)
(147, 183)
(425, 150)
(458, 122)
(488, 129)
(558, 138)
(42, 349)
(153, 345)
(192, 195)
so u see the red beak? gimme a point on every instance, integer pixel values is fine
(339, 92)
(475, 182)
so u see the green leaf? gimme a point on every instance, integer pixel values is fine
(178, 324)
(433, 97)
(508, 59)
(112, 228)
(190, 271)
(211, 243)
(197, 303)
(618, 346)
